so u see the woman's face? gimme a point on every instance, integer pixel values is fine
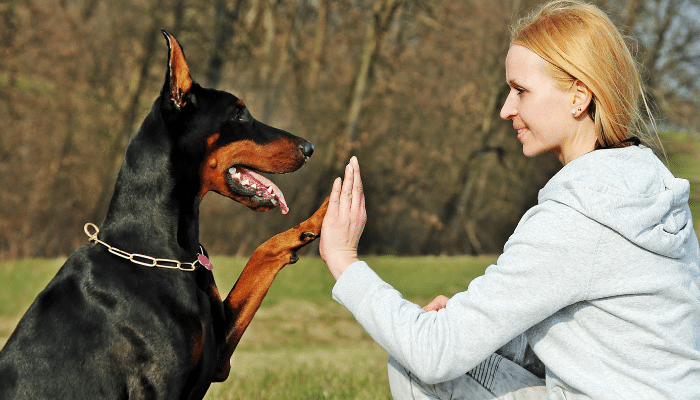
(541, 110)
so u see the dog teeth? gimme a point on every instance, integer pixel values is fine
(234, 174)
(269, 190)
(275, 202)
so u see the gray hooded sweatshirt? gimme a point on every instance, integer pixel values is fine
(602, 276)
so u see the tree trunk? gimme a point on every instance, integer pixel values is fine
(224, 23)
(338, 150)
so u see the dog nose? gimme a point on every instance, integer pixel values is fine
(307, 149)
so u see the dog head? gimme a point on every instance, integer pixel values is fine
(233, 148)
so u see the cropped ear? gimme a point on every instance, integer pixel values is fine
(177, 77)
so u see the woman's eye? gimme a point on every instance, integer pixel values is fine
(519, 90)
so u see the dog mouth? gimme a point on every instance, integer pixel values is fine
(260, 191)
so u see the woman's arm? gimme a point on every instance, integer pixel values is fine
(540, 272)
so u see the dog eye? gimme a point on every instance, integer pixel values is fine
(240, 116)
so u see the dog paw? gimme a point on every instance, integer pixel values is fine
(311, 228)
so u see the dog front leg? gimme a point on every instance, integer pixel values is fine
(257, 276)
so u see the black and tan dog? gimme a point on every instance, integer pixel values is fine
(136, 313)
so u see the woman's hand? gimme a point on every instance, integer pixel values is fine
(438, 303)
(344, 221)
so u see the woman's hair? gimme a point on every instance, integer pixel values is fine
(580, 42)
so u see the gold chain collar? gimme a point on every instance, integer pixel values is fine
(145, 260)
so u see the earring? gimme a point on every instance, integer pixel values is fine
(573, 112)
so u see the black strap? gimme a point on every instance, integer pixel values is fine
(632, 141)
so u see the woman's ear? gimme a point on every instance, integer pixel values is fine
(582, 99)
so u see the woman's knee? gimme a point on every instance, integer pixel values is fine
(404, 385)
(494, 378)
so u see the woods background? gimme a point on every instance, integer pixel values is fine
(412, 87)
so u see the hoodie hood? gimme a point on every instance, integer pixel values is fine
(630, 191)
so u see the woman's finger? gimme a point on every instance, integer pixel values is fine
(357, 193)
(333, 204)
(346, 191)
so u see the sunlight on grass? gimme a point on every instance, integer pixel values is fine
(355, 371)
(20, 282)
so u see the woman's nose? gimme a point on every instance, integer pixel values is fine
(509, 110)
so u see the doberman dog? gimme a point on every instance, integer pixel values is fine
(136, 314)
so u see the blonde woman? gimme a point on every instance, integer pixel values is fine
(598, 288)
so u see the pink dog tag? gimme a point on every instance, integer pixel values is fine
(205, 261)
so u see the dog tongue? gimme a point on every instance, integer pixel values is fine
(271, 191)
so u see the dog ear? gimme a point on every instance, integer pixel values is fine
(177, 77)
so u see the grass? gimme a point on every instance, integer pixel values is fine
(684, 161)
(301, 343)
(21, 281)
(356, 371)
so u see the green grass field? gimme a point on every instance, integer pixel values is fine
(301, 343)
(683, 150)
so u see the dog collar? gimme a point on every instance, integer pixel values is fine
(91, 230)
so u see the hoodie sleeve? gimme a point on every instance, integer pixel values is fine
(546, 265)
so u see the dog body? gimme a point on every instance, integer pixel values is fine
(110, 327)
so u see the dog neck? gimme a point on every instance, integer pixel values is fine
(155, 203)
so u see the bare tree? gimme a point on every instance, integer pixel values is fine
(226, 15)
(667, 37)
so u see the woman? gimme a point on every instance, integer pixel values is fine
(601, 279)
